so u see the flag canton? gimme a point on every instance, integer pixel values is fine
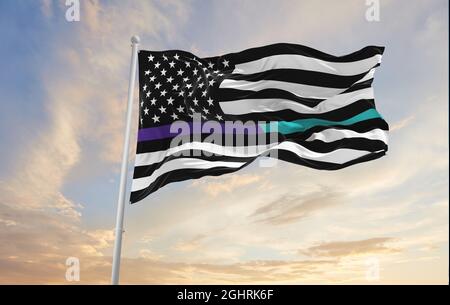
(175, 85)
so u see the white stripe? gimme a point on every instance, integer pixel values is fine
(232, 151)
(300, 90)
(182, 163)
(268, 105)
(301, 62)
(332, 134)
(338, 156)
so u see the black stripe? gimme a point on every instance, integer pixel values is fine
(291, 157)
(147, 170)
(339, 114)
(287, 48)
(351, 143)
(179, 175)
(304, 77)
(163, 144)
(228, 94)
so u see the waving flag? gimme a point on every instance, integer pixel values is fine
(297, 103)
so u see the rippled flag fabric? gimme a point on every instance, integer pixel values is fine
(322, 105)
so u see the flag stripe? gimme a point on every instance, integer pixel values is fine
(338, 114)
(268, 105)
(332, 134)
(312, 78)
(307, 63)
(300, 90)
(253, 54)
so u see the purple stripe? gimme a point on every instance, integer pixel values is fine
(164, 131)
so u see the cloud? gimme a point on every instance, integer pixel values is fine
(402, 123)
(214, 186)
(351, 248)
(85, 85)
(291, 208)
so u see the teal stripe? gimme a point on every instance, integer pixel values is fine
(285, 127)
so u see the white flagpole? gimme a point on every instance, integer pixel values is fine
(123, 171)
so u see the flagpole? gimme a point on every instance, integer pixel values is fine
(123, 171)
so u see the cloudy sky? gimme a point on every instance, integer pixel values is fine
(63, 89)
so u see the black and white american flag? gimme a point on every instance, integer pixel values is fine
(322, 105)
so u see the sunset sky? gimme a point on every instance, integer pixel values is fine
(63, 89)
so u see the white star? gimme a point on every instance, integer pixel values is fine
(180, 109)
(163, 93)
(165, 57)
(216, 71)
(210, 65)
(158, 85)
(153, 101)
(144, 88)
(150, 58)
(199, 78)
(180, 72)
(211, 82)
(146, 111)
(157, 65)
(195, 71)
(172, 64)
(188, 64)
(208, 75)
(155, 118)
(175, 87)
(170, 79)
(188, 86)
(195, 101)
(147, 94)
(152, 79)
(186, 79)
(147, 72)
(142, 103)
(162, 109)
(201, 85)
(205, 110)
(204, 93)
(219, 117)
(174, 116)
(170, 101)
(210, 101)
(190, 93)
(163, 72)
(181, 93)
(177, 57)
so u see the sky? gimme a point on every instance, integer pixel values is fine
(63, 90)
